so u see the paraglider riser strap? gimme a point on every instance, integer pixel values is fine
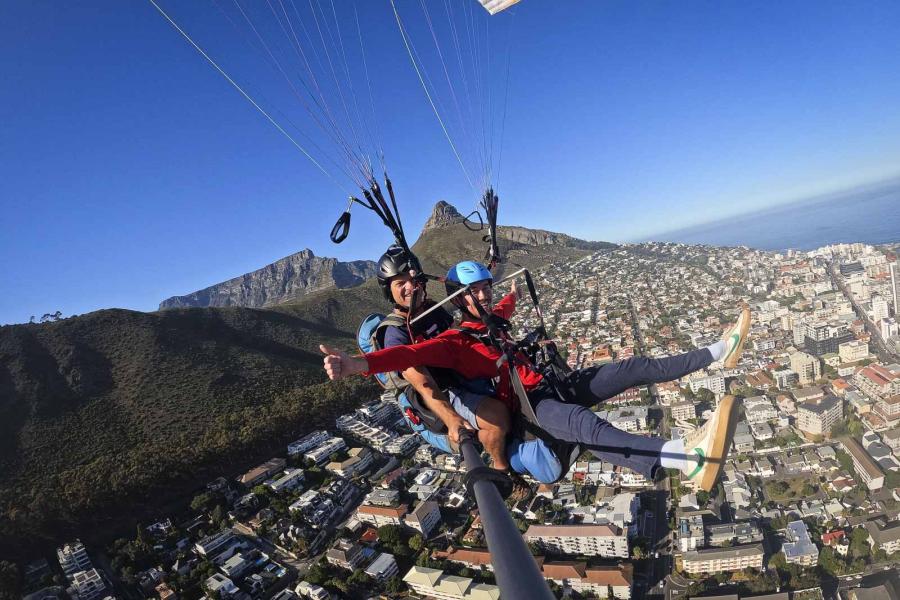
(500, 480)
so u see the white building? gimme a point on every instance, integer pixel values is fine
(818, 418)
(87, 585)
(221, 585)
(424, 518)
(588, 540)
(383, 567)
(290, 480)
(73, 558)
(724, 560)
(433, 583)
(853, 351)
(307, 442)
(713, 382)
(321, 453)
(807, 367)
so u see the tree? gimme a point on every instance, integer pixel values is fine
(778, 561)
(394, 585)
(390, 534)
(201, 502)
(10, 581)
(217, 515)
(317, 574)
(416, 542)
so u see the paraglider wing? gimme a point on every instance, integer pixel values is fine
(495, 6)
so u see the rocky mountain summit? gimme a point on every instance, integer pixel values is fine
(284, 280)
(443, 215)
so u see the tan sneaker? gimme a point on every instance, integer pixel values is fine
(735, 337)
(707, 446)
(521, 489)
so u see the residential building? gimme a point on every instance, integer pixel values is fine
(212, 544)
(260, 473)
(823, 338)
(799, 548)
(713, 382)
(359, 461)
(424, 518)
(884, 535)
(818, 418)
(73, 558)
(853, 351)
(346, 554)
(383, 567)
(877, 382)
(723, 560)
(691, 534)
(381, 515)
(221, 585)
(888, 328)
(889, 408)
(305, 589)
(308, 442)
(807, 367)
(891, 439)
(728, 534)
(87, 585)
(684, 411)
(879, 308)
(321, 454)
(433, 583)
(864, 465)
(785, 378)
(759, 409)
(588, 540)
(598, 581)
(895, 286)
(289, 481)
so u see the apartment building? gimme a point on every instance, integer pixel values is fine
(723, 560)
(807, 367)
(598, 581)
(424, 518)
(864, 465)
(818, 417)
(381, 515)
(684, 411)
(434, 583)
(73, 558)
(588, 540)
(853, 351)
(884, 535)
(799, 548)
(307, 442)
(877, 382)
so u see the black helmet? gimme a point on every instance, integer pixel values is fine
(395, 261)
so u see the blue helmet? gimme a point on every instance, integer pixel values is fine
(466, 272)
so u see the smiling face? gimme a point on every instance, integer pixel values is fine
(483, 292)
(402, 290)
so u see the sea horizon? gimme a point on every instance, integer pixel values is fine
(869, 214)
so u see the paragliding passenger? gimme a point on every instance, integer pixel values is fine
(458, 403)
(700, 455)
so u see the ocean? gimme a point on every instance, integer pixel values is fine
(870, 215)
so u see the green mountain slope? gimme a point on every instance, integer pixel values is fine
(118, 416)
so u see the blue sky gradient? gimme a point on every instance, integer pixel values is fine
(130, 171)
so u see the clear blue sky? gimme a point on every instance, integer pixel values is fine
(130, 171)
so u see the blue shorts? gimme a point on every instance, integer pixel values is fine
(465, 404)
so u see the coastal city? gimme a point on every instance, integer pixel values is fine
(808, 507)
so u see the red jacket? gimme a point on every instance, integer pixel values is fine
(460, 352)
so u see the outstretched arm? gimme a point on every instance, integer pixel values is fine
(431, 353)
(436, 401)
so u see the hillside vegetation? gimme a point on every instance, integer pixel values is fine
(118, 416)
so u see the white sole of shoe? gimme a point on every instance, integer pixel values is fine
(722, 438)
(732, 360)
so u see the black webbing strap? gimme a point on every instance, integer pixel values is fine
(500, 479)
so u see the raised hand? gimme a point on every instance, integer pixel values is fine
(338, 364)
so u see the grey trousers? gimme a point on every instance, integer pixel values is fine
(575, 422)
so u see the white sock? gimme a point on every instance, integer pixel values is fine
(718, 350)
(672, 456)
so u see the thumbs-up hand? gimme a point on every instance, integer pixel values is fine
(339, 364)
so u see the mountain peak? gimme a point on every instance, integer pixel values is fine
(444, 214)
